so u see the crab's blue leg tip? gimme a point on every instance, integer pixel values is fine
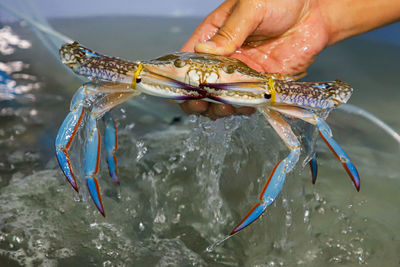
(112, 167)
(65, 165)
(314, 168)
(94, 192)
(353, 173)
(251, 216)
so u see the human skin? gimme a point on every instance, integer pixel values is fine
(281, 36)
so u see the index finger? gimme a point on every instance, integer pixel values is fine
(210, 25)
(244, 19)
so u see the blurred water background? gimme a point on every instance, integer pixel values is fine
(187, 181)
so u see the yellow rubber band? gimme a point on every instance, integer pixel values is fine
(272, 90)
(136, 75)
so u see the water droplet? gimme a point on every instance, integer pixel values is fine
(160, 218)
(158, 167)
(141, 226)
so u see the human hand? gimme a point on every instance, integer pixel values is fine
(281, 36)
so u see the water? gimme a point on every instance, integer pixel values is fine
(185, 185)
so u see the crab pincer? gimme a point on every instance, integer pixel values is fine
(66, 134)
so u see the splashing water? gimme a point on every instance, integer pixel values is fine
(190, 187)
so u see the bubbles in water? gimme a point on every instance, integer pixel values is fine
(160, 218)
(142, 149)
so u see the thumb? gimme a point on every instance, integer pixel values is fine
(242, 22)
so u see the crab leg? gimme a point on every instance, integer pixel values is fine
(111, 145)
(92, 161)
(277, 177)
(326, 133)
(312, 158)
(314, 168)
(93, 143)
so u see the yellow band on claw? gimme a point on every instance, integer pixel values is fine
(272, 90)
(136, 75)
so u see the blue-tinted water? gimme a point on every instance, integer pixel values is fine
(185, 185)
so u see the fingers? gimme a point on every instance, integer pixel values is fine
(214, 111)
(211, 110)
(217, 111)
(194, 106)
(210, 25)
(246, 111)
(243, 20)
(292, 52)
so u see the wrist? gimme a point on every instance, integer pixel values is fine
(325, 9)
(347, 18)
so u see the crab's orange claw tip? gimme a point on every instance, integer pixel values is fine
(256, 211)
(94, 192)
(76, 188)
(65, 164)
(353, 173)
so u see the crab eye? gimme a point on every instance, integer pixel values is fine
(179, 63)
(229, 69)
(267, 96)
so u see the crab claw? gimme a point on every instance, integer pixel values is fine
(65, 136)
(314, 168)
(271, 189)
(326, 134)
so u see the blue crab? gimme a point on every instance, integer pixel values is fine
(184, 76)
